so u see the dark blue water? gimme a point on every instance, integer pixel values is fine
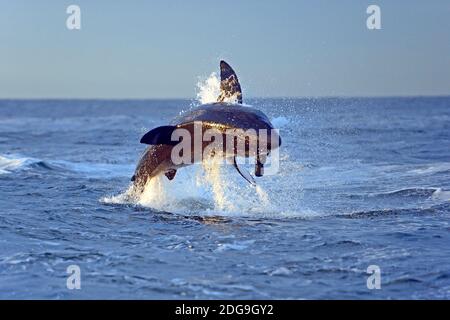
(361, 182)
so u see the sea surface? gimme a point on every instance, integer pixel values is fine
(361, 182)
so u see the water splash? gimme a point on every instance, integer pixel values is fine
(209, 188)
(280, 122)
(263, 196)
(212, 173)
(208, 89)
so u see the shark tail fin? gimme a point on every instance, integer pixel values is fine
(229, 84)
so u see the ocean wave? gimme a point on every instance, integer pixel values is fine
(9, 164)
(408, 192)
(432, 168)
(424, 210)
(14, 163)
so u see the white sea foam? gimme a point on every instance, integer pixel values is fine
(10, 163)
(211, 189)
(208, 89)
(432, 168)
(441, 195)
(206, 188)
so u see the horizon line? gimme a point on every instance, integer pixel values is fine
(250, 98)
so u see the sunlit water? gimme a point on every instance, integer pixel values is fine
(361, 182)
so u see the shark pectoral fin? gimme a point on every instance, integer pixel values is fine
(170, 174)
(229, 84)
(160, 135)
(247, 176)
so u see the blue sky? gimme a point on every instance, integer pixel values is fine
(158, 49)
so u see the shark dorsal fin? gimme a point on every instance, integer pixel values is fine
(229, 84)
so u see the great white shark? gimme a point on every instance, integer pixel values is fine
(238, 131)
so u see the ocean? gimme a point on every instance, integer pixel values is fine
(361, 182)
